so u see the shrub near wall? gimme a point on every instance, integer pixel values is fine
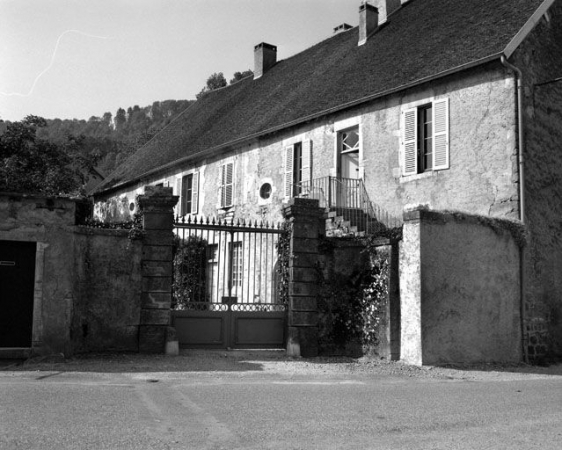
(354, 292)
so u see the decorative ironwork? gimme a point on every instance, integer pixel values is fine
(225, 262)
(349, 198)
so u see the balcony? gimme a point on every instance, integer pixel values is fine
(348, 198)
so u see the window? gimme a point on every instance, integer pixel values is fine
(226, 190)
(425, 138)
(298, 159)
(348, 153)
(188, 190)
(212, 273)
(236, 261)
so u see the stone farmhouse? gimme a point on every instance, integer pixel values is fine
(452, 104)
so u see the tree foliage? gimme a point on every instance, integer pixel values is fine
(240, 75)
(215, 81)
(112, 138)
(31, 164)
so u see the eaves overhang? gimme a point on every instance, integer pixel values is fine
(302, 120)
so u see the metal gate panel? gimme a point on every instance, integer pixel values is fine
(225, 286)
(258, 329)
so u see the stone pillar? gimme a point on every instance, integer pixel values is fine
(304, 215)
(158, 220)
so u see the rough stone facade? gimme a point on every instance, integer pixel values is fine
(459, 289)
(106, 300)
(95, 289)
(538, 58)
(481, 179)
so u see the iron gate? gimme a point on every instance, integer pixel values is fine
(225, 285)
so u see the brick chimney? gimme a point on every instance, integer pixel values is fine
(368, 21)
(265, 57)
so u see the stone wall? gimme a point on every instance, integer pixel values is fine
(49, 222)
(459, 289)
(539, 59)
(108, 284)
(95, 289)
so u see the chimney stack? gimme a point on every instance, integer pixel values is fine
(368, 21)
(265, 56)
(386, 8)
(341, 28)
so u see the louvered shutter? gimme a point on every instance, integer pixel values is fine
(441, 134)
(178, 192)
(288, 172)
(409, 142)
(227, 179)
(194, 192)
(306, 170)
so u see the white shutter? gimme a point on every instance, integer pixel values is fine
(441, 134)
(178, 193)
(306, 163)
(227, 179)
(194, 192)
(288, 186)
(409, 142)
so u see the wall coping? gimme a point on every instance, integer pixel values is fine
(498, 225)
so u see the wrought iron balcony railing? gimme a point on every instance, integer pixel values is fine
(349, 198)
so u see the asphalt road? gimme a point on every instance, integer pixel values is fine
(286, 410)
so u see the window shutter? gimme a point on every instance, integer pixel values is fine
(306, 162)
(227, 181)
(409, 142)
(178, 192)
(441, 134)
(289, 171)
(194, 192)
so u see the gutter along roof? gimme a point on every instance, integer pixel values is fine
(423, 40)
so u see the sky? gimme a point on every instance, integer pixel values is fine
(80, 58)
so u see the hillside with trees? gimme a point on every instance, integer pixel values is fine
(102, 142)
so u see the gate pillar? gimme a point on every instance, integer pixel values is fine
(304, 216)
(156, 205)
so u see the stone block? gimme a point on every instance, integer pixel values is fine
(157, 252)
(157, 268)
(301, 288)
(305, 260)
(303, 304)
(158, 221)
(305, 229)
(156, 300)
(155, 316)
(157, 284)
(159, 237)
(152, 338)
(304, 245)
(303, 319)
(304, 274)
(303, 340)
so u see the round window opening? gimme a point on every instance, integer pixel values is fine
(132, 206)
(265, 191)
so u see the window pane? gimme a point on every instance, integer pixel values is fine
(350, 140)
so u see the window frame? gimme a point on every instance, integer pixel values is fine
(297, 167)
(226, 185)
(411, 147)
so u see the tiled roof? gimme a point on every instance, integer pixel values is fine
(422, 39)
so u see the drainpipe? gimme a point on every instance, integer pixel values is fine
(520, 129)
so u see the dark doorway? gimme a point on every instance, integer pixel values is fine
(17, 281)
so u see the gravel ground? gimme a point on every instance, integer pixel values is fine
(271, 363)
